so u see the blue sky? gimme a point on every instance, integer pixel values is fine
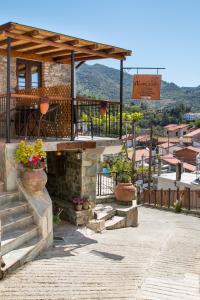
(162, 33)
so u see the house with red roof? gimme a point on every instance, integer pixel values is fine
(176, 130)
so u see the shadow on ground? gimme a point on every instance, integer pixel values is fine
(67, 239)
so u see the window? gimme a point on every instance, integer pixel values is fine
(29, 74)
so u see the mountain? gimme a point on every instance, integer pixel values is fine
(103, 82)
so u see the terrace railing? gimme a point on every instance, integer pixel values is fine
(91, 122)
(25, 115)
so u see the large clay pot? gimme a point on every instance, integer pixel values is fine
(34, 180)
(125, 192)
(44, 105)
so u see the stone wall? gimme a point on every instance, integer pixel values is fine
(55, 74)
(52, 74)
(64, 175)
(3, 74)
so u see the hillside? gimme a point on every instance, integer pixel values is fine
(103, 82)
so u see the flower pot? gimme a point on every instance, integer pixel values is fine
(86, 205)
(78, 207)
(34, 180)
(125, 192)
(44, 105)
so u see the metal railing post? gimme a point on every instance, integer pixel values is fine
(8, 52)
(121, 97)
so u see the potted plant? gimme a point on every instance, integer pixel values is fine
(86, 203)
(31, 161)
(78, 203)
(125, 190)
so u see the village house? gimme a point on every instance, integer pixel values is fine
(176, 130)
(187, 154)
(192, 138)
(37, 72)
(170, 162)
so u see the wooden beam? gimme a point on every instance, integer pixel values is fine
(80, 64)
(56, 53)
(41, 49)
(54, 38)
(77, 56)
(76, 145)
(67, 61)
(72, 42)
(26, 56)
(23, 46)
(61, 45)
(32, 33)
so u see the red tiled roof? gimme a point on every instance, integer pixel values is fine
(174, 127)
(192, 133)
(165, 145)
(189, 167)
(170, 159)
(139, 154)
(194, 149)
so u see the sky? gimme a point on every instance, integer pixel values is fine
(161, 33)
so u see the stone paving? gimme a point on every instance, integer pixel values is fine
(160, 259)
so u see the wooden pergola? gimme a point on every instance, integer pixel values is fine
(46, 46)
(21, 41)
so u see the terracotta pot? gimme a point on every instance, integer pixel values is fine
(44, 106)
(78, 207)
(86, 205)
(34, 180)
(125, 192)
(102, 111)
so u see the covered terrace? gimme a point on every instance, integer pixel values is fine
(20, 99)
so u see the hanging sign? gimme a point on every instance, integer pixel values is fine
(146, 87)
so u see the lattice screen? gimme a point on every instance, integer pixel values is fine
(59, 95)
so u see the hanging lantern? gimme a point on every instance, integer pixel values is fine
(103, 108)
(44, 105)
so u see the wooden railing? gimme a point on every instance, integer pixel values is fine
(190, 199)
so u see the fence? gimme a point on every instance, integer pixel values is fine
(166, 198)
(106, 183)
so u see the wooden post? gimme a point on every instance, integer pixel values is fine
(8, 52)
(189, 198)
(161, 198)
(169, 198)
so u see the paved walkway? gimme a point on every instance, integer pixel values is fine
(158, 260)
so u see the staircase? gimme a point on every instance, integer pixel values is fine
(110, 215)
(20, 237)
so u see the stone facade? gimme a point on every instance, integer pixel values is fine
(55, 74)
(52, 74)
(3, 74)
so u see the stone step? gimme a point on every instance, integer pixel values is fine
(105, 199)
(23, 254)
(115, 223)
(8, 197)
(15, 238)
(12, 207)
(104, 212)
(16, 221)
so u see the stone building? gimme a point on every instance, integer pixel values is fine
(38, 65)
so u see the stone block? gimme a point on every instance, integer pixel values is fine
(96, 225)
(131, 215)
(78, 217)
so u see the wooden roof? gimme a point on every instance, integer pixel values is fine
(43, 45)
